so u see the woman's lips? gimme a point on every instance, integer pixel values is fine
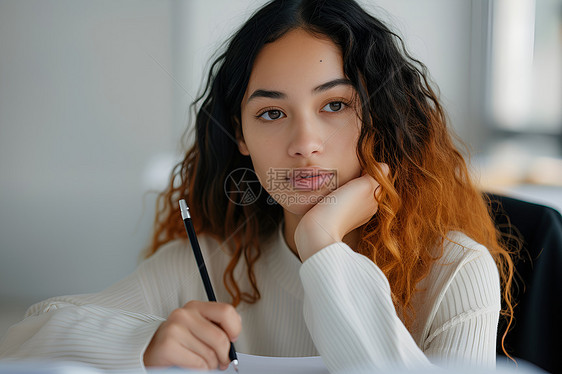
(310, 179)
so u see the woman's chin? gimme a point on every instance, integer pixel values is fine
(298, 209)
(300, 203)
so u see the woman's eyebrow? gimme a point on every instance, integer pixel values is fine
(316, 90)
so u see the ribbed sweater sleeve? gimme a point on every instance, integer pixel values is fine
(465, 325)
(353, 323)
(109, 329)
(103, 337)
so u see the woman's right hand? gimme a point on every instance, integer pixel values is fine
(195, 336)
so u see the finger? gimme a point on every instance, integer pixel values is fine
(182, 323)
(373, 183)
(223, 315)
(214, 337)
(176, 351)
(202, 349)
(190, 358)
(385, 168)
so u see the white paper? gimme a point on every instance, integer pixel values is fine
(251, 364)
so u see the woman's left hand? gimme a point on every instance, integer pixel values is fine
(328, 223)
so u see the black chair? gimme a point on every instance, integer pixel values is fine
(538, 294)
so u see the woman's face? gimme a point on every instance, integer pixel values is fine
(299, 125)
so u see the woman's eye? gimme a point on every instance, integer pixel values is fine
(274, 114)
(271, 115)
(334, 106)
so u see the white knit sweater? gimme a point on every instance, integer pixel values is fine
(337, 304)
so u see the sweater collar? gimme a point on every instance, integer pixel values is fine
(284, 264)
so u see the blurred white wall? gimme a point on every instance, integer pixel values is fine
(93, 100)
(440, 34)
(84, 109)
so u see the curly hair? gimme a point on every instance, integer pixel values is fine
(427, 193)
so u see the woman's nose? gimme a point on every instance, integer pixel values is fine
(306, 138)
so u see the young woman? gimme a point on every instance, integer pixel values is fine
(359, 237)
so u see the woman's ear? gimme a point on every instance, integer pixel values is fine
(240, 139)
(242, 147)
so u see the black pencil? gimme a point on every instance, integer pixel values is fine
(202, 268)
